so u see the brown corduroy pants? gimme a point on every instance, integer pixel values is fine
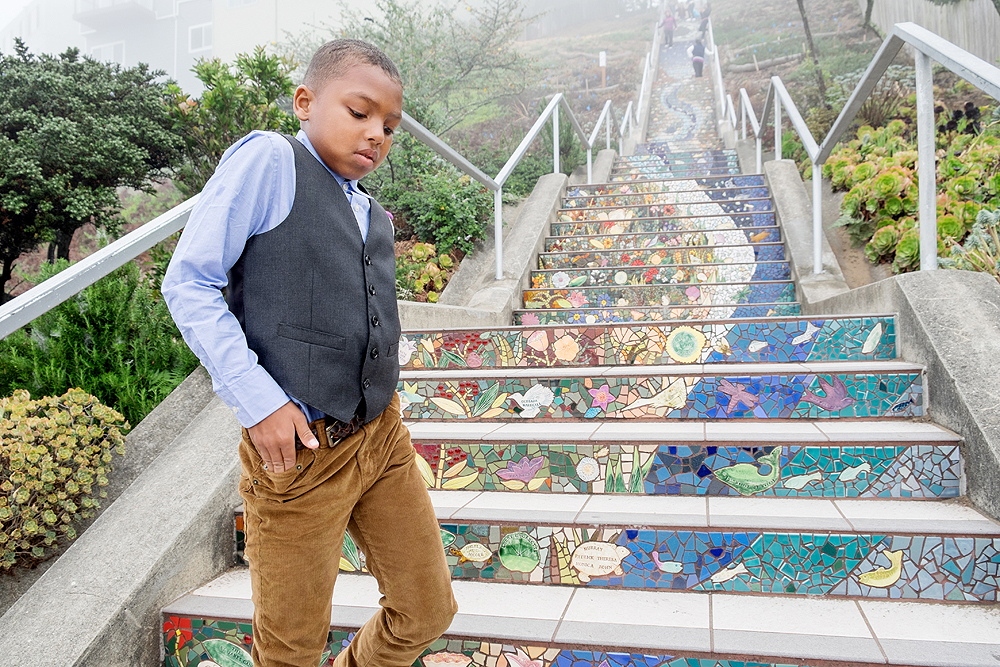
(368, 484)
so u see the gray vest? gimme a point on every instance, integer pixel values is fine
(317, 303)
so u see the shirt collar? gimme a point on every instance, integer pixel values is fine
(304, 139)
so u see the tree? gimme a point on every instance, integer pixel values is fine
(236, 101)
(812, 52)
(450, 67)
(72, 130)
(868, 14)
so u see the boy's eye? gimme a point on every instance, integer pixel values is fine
(355, 113)
(388, 130)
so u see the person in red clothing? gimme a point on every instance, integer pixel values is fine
(669, 24)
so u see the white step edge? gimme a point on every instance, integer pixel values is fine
(740, 370)
(755, 514)
(868, 631)
(871, 433)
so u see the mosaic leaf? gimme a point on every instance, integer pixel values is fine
(519, 552)
(455, 469)
(460, 482)
(425, 471)
(349, 553)
(485, 400)
(448, 405)
(227, 654)
(447, 538)
(447, 356)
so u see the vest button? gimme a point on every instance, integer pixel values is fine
(367, 383)
(368, 260)
(375, 321)
(374, 353)
(371, 290)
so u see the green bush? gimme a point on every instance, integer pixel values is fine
(55, 453)
(115, 339)
(981, 250)
(422, 272)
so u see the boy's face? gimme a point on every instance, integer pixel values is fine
(350, 120)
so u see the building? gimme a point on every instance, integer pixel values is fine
(46, 26)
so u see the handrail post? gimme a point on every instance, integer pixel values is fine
(777, 127)
(760, 161)
(555, 140)
(926, 177)
(743, 117)
(498, 230)
(607, 131)
(590, 172)
(817, 218)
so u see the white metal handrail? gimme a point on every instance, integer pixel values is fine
(928, 48)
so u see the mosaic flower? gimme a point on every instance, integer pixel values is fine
(529, 319)
(406, 349)
(692, 293)
(604, 301)
(474, 360)
(521, 659)
(524, 470)
(560, 279)
(577, 299)
(180, 628)
(602, 397)
(587, 469)
(538, 340)
(566, 348)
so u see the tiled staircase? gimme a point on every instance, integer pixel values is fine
(673, 467)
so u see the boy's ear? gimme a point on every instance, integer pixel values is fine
(302, 102)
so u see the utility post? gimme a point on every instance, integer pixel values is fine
(602, 60)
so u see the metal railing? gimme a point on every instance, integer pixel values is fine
(21, 310)
(928, 48)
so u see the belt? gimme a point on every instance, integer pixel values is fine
(329, 431)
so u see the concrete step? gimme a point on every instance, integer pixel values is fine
(667, 184)
(561, 626)
(656, 314)
(901, 459)
(706, 208)
(662, 224)
(740, 289)
(669, 196)
(687, 274)
(809, 390)
(680, 171)
(578, 256)
(724, 341)
(941, 552)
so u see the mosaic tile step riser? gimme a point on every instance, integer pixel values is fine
(663, 249)
(773, 341)
(564, 257)
(899, 470)
(701, 209)
(647, 175)
(679, 170)
(805, 396)
(652, 152)
(190, 641)
(667, 185)
(646, 161)
(664, 198)
(828, 564)
(660, 295)
(686, 314)
(696, 274)
(764, 229)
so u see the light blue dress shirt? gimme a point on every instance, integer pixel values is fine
(251, 192)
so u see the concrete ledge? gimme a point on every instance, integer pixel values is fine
(168, 532)
(492, 302)
(794, 212)
(603, 164)
(949, 321)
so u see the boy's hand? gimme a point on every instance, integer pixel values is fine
(274, 437)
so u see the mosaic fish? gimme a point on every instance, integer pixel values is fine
(882, 577)
(800, 481)
(722, 576)
(473, 552)
(533, 400)
(746, 477)
(807, 335)
(835, 396)
(852, 473)
(668, 566)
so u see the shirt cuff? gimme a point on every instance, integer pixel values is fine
(253, 397)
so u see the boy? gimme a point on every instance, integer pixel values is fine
(304, 351)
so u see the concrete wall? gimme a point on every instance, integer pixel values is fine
(973, 25)
(949, 321)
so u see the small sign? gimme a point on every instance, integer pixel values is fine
(602, 59)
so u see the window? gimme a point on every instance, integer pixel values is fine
(200, 37)
(109, 53)
(233, 4)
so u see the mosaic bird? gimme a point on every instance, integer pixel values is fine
(533, 400)
(835, 395)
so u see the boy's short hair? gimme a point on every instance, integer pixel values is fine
(335, 57)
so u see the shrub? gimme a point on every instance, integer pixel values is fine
(115, 339)
(422, 273)
(55, 452)
(981, 250)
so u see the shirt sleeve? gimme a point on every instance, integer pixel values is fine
(251, 192)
